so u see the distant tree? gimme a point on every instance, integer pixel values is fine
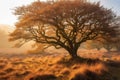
(62, 24)
(110, 42)
(117, 40)
(117, 44)
(94, 44)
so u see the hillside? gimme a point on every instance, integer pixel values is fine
(56, 67)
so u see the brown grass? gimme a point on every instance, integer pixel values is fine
(52, 67)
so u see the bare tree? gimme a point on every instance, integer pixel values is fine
(62, 24)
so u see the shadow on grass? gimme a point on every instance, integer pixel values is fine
(89, 75)
(44, 77)
(78, 60)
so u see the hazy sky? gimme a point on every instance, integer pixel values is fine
(6, 6)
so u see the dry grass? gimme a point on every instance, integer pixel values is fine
(58, 67)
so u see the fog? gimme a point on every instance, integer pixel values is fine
(5, 45)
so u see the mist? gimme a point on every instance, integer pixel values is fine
(5, 45)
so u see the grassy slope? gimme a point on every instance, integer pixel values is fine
(56, 67)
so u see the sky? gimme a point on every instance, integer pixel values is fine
(6, 10)
(7, 6)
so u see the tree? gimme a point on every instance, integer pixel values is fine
(117, 44)
(62, 24)
(92, 44)
(117, 39)
(110, 42)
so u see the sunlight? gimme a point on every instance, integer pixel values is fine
(59, 40)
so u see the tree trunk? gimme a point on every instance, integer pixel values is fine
(73, 53)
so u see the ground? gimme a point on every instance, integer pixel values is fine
(56, 66)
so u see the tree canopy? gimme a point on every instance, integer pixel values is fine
(63, 24)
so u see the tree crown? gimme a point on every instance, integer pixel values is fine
(64, 24)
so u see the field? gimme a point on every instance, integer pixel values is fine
(56, 66)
